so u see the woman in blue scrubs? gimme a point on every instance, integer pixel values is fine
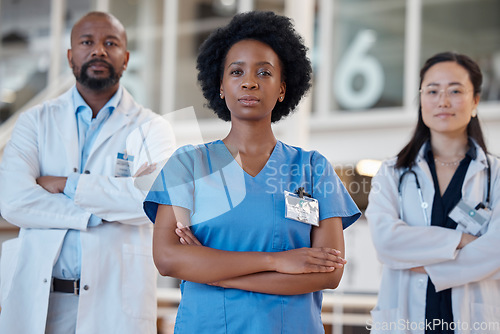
(237, 219)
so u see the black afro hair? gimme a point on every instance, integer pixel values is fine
(274, 30)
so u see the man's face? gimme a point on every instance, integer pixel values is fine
(98, 54)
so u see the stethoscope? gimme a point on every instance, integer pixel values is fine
(424, 205)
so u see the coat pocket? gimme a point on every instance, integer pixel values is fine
(138, 282)
(8, 265)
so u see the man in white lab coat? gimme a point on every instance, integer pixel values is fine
(69, 179)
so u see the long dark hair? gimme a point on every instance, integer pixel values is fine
(406, 158)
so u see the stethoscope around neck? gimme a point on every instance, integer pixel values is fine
(424, 205)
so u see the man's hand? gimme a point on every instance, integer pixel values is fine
(53, 184)
(145, 169)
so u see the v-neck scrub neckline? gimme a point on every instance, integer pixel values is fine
(265, 165)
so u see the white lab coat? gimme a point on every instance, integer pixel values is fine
(118, 277)
(473, 273)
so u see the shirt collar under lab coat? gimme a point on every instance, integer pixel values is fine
(79, 104)
(471, 152)
(480, 156)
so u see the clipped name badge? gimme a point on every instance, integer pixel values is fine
(471, 217)
(303, 209)
(123, 164)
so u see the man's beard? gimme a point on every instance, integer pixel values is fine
(96, 83)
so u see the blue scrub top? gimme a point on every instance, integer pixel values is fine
(231, 210)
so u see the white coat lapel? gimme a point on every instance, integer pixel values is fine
(426, 181)
(476, 166)
(65, 121)
(119, 118)
(422, 164)
(115, 122)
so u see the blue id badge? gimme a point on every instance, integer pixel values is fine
(303, 209)
(472, 217)
(123, 165)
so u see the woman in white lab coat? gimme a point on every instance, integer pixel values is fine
(441, 274)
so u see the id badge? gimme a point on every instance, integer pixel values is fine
(302, 209)
(123, 165)
(472, 219)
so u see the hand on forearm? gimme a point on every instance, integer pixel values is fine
(307, 260)
(53, 184)
(282, 284)
(465, 240)
(295, 261)
(191, 261)
(145, 169)
(186, 237)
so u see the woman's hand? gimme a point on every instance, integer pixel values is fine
(295, 261)
(465, 240)
(186, 237)
(307, 260)
(301, 261)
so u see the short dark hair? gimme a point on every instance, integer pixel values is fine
(274, 30)
(406, 158)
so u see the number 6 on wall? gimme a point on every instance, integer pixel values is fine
(356, 61)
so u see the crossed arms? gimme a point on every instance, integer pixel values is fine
(290, 272)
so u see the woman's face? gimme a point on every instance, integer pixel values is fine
(447, 98)
(251, 83)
